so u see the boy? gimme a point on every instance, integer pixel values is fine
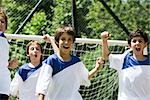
(68, 73)
(24, 83)
(133, 67)
(4, 56)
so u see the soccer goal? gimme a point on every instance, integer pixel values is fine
(104, 86)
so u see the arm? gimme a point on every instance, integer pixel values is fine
(41, 97)
(44, 81)
(48, 39)
(14, 86)
(105, 49)
(99, 62)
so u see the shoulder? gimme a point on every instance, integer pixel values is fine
(53, 56)
(23, 67)
(75, 58)
(45, 65)
(49, 60)
(2, 35)
(3, 38)
(147, 61)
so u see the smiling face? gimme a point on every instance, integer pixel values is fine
(64, 39)
(65, 43)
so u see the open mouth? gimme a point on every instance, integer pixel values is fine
(35, 55)
(66, 47)
(137, 49)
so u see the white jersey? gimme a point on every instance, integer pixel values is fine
(24, 83)
(65, 80)
(4, 71)
(134, 76)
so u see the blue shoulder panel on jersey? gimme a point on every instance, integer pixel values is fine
(129, 61)
(25, 71)
(58, 65)
(2, 34)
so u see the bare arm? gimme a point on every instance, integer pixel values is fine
(41, 97)
(105, 48)
(98, 66)
(49, 39)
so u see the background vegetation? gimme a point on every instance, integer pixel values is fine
(92, 19)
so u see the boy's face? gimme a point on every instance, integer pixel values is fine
(65, 43)
(2, 24)
(34, 52)
(138, 44)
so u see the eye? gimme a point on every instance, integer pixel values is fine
(38, 49)
(70, 39)
(63, 39)
(32, 48)
(134, 41)
(2, 21)
(140, 41)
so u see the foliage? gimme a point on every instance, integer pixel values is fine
(92, 19)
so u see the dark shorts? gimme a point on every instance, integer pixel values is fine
(4, 97)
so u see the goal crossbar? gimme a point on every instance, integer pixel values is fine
(78, 40)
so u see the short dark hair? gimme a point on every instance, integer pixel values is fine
(138, 33)
(64, 29)
(3, 14)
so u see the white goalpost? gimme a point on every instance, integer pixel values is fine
(103, 86)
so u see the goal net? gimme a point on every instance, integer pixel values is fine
(104, 86)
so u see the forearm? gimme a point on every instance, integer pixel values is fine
(49, 39)
(41, 96)
(54, 46)
(105, 49)
(93, 72)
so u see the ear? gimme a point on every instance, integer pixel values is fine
(27, 55)
(129, 45)
(146, 44)
(56, 43)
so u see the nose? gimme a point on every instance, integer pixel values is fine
(137, 42)
(66, 41)
(35, 50)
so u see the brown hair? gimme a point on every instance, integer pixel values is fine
(31, 43)
(138, 33)
(3, 14)
(64, 29)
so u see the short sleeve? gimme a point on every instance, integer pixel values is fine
(84, 73)
(115, 61)
(44, 80)
(15, 84)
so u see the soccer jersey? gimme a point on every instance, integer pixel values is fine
(134, 76)
(24, 83)
(4, 71)
(65, 80)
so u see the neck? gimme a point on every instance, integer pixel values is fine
(65, 57)
(139, 57)
(35, 63)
